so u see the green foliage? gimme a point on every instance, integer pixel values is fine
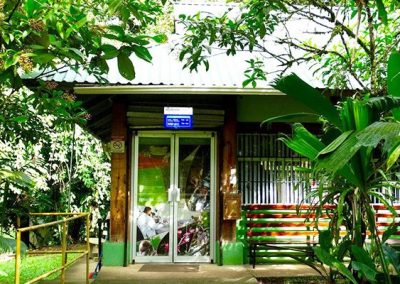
(393, 74)
(125, 66)
(16, 177)
(393, 257)
(358, 152)
(356, 37)
(253, 73)
(164, 25)
(349, 170)
(47, 33)
(36, 173)
(40, 169)
(204, 32)
(331, 261)
(8, 245)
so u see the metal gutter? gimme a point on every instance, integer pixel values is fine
(165, 89)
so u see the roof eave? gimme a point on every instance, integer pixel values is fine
(165, 89)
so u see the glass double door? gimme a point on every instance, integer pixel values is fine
(173, 198)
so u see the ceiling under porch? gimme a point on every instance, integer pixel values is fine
(146, 111)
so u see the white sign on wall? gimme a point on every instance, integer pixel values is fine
(178, 110)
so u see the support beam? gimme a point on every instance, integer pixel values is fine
(229, 159)
(119, 175)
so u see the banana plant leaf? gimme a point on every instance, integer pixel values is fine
(383, 104)
(377, 132)
(393, 156)
(9, 245)
(17, 177)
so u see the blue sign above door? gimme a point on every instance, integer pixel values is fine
(178, 121)
(178, 117)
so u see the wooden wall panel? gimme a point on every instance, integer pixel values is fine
(229, 159)
(119, 176)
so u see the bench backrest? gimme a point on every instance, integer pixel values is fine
(384, 218)
(281, 222)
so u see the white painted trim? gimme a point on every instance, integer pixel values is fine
(164, 89)
(138, 258)
(213, 207)
(135, 159)
(213, 190)
(132, 216)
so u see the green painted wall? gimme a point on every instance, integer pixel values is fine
(241, 236)
(258, 108)
(232, 253)
(113, 254)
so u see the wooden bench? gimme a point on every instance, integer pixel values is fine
(278, 230)
(384, 218)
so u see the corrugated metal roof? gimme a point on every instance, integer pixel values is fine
(166, 69)
(225, 71)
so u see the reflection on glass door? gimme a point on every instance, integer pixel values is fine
(173, 197)
(193, 207)
(152, 209)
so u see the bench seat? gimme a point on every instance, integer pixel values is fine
(282, 248)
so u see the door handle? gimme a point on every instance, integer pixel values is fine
(170, 194)
(178, 194)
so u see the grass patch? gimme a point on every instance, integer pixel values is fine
(32, 266)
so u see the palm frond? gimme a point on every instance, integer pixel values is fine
(303, 142)
(335, 143)
(290, 117)
(299, 90)
(338, 161)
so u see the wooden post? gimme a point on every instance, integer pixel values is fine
(119, 175)
(88, 247)
(229, 158)
(18, 258)
(63, 251)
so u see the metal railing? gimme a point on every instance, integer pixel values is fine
(267, 170)
(64, 251)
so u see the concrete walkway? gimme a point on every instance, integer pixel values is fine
(206, 273)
